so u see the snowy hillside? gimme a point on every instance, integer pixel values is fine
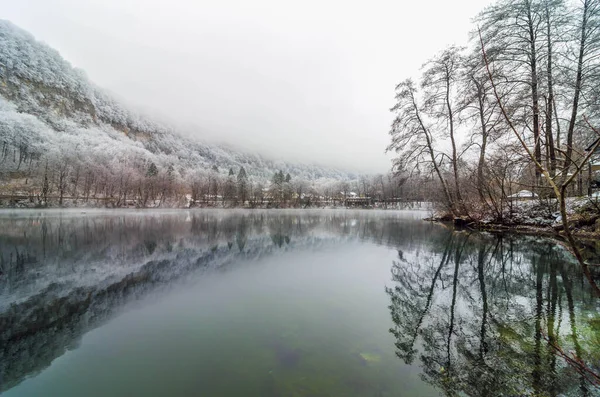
(52, 115)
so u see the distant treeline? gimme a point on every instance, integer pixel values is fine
(68, 182)
(62, 136)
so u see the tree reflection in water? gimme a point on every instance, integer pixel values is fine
(480, 313)
(65, 273)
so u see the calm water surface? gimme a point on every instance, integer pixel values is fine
(298, 303)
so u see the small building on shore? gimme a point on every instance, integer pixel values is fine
(358, 202)
(523, 195)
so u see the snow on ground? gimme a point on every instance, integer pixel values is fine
(542, 212)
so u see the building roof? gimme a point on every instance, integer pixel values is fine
(523, 193)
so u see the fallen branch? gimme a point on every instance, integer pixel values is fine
(575, 362)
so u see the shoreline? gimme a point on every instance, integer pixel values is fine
(99, 210)
(461, 224)
(526, 230)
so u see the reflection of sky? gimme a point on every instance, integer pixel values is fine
(121, 242)
(325, 279)
(322, 269)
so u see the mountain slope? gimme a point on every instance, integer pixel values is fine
(53, 117)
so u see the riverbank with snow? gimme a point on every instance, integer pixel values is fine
(536, 216)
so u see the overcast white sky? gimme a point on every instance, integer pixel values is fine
(308, 81)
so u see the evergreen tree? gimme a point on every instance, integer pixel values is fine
(213, 182)
(277, 185)
(229, 192)
(242, 185)
(152, 170)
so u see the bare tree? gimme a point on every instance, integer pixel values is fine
(559, 188)
(440, 79)
(412, 139)
(513, 31)
(588, 52)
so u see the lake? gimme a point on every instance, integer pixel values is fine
(286, 303)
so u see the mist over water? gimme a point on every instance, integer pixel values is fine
(284, 303)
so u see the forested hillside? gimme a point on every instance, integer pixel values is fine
(62, 136)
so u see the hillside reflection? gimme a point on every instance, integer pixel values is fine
(482, 315)
(471, 309)
(62, 275)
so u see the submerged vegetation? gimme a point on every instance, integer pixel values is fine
(502, 133)
(480, 324)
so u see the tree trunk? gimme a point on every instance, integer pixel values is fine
(550, 99)
(534, 92)
(577, 93)
(433, 161)
(484, 133)
(453, 141)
